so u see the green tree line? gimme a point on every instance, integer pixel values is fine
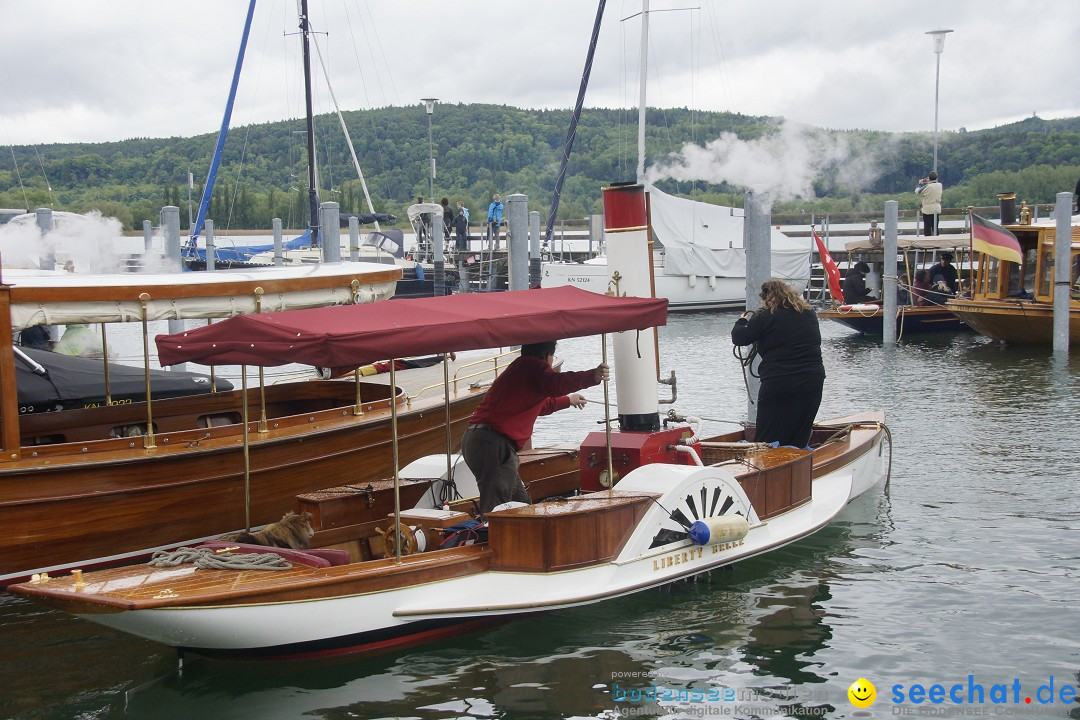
(481, 149)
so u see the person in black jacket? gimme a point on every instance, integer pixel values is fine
(785, 331)
(854, 287)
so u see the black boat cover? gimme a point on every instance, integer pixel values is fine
(78, 382)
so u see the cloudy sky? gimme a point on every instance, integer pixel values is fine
(97, 70)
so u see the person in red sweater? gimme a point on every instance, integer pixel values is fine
(503, 422)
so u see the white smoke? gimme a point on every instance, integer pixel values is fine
(89, 242)
(783, 164)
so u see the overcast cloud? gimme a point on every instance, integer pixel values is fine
(94, 70)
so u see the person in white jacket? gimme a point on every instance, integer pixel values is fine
(929, 191)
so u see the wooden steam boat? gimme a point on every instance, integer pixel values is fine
(654, 505)
(90, 486)
(1014, 302)
(868, 319)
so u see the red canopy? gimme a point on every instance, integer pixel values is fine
(346, 336)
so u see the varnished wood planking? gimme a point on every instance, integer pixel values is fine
(564, 534)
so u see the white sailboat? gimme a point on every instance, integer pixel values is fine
(699, 259)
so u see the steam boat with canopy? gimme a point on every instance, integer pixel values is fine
(933, 316)
(98, 485)
(647, 504)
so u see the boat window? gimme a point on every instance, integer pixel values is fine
(1030, 258)
(43, 440)
(217, 420)
(993, 268)
(130, 431)
(1046, 274)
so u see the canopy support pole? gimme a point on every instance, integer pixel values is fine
(358, 410)
(607, 415)
(148, 438)
(446, 404)
(397, 460)
(247, 446)
(263, 427)
(105, 353)
(213, 368)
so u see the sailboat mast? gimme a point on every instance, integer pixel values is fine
(313, 192)
(641, 96)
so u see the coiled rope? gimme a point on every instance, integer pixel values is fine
(207, 559)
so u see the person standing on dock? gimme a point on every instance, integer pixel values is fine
(461, 229)
(929, 191)
(494, 220)
(503, 421)
(787, 337)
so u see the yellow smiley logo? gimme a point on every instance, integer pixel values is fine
(862, 693)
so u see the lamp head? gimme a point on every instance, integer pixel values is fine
(429, 104)
(939, 39)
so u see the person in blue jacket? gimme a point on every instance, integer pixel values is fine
(494, 219)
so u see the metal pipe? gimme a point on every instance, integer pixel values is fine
(397, 459)
(643, 70)
(263, 427)
(313, 188)
(211, 249)
(1062, 271)
(105, 354)
(148, 438)
(247, 446)
(888, 274)
(449, 434)
(358, 409)
(607, 415)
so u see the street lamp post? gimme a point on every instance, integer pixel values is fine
(429, 104)
(939, 45)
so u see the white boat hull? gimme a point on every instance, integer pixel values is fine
(683, 292)
(337, 621)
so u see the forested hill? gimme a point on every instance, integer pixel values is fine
(481, 149)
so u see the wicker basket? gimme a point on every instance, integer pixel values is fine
(718, 452)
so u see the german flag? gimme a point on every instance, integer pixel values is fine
(994, 240)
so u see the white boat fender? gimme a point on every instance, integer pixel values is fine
(860, 307)
(692, 280)
(712, 282)
(723, 529)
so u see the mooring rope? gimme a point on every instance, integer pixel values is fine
(207, 559)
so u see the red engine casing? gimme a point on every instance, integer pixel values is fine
(629, 450)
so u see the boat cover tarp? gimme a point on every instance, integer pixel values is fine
(78, 382)
(705, 239)
(344, 337)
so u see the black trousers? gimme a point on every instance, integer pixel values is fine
(493, 459)
(786, 408)
(929, 225)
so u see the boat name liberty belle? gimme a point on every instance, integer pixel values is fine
(695, 553)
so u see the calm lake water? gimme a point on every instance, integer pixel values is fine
(967, 567)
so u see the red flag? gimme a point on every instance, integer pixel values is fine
(831, 271)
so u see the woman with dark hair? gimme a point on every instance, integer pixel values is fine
(503, 421)
(787, 338)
